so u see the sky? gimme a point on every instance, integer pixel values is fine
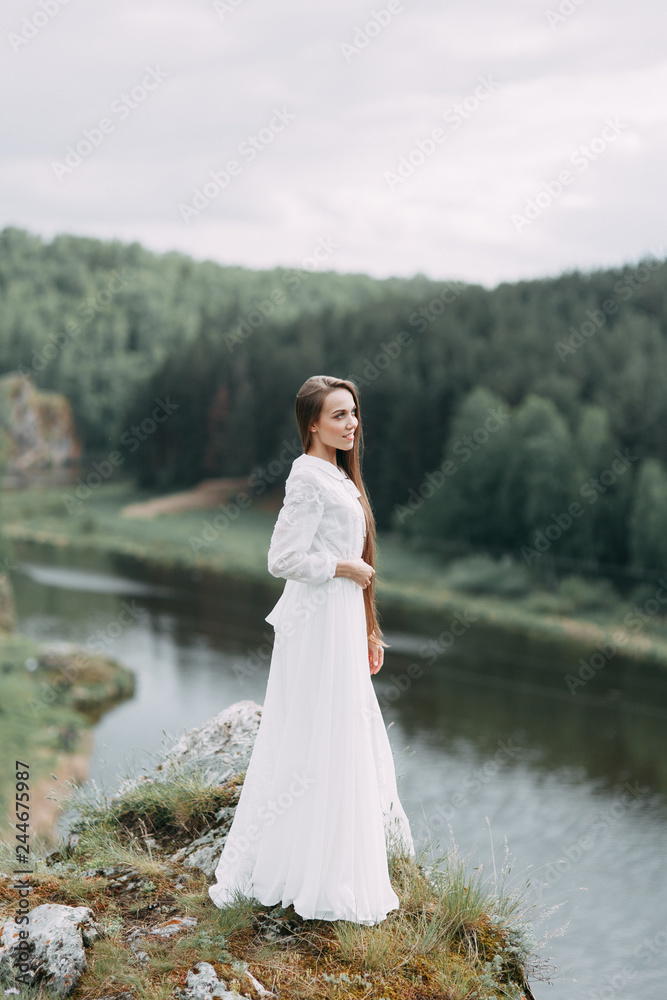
(478, 141)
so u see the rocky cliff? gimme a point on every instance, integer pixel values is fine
(122, 908)
(37, 430)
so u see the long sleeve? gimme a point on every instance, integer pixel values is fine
(293, 534)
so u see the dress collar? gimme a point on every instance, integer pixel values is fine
(323, 464)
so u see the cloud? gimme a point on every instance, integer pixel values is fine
(358, 113)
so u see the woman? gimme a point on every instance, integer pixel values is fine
(319, 805)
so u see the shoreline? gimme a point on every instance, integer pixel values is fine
(57, 692)
(425, 606)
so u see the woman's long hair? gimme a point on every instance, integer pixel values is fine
(308, 407)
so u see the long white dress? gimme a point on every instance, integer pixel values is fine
(319, 805)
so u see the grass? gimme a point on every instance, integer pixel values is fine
(503, 594)
(39, 514)
(455, 935)
(170, 813)
(48, 706)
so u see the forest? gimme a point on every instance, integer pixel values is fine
(527, 420)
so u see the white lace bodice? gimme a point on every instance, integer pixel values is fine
(320, 522)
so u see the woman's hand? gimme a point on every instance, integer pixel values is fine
(357, 570)
(375, 656)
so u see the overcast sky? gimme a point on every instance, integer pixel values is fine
(483, 140)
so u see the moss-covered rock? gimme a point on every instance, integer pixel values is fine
(86, 681)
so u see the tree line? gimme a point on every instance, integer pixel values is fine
(528, 418)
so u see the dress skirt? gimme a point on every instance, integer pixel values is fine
(319, 807)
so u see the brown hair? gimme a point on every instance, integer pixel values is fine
(308, 407)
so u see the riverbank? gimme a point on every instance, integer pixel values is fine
(416, 591)
(51, 695)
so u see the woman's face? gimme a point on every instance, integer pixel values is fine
(338, 421)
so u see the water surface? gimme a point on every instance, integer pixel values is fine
(568, 790)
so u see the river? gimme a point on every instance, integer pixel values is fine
(566, 789)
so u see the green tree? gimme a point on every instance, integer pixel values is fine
(464, 507)
(539, 479)
(648, 519)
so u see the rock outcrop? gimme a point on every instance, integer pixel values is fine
(37, 428)
(216, 753)
(92, 681)
(149, 902)
(50, 948)
(203, 984)
(53, 952)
